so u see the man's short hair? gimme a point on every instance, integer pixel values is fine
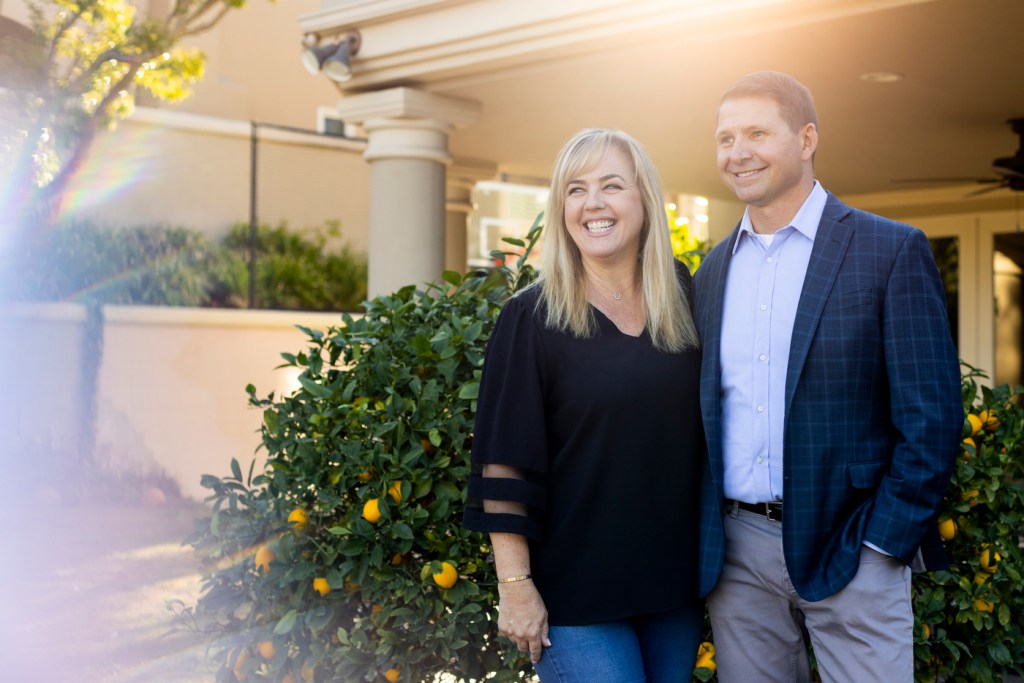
(796, 105)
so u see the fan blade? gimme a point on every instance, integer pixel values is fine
(985, 190)
(921, 181)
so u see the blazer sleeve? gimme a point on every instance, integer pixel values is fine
(926, 407)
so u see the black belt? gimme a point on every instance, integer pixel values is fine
(772, 511)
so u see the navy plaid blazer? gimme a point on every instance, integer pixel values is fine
(873, 408)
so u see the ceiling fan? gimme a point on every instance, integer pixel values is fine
(1009, 171)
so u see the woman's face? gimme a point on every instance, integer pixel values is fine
(604, 210)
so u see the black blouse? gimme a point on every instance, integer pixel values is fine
(607, 432)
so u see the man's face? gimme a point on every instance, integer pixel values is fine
(760, 158)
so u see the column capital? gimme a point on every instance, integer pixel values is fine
(408, 103)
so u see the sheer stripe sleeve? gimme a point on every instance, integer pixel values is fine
(510, 424)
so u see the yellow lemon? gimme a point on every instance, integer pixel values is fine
(981, 577)
(989, 559)
(975, 423)
(321, 586)
(927, 631)
(971, 496)
(395, 491)
(297, 518)
(371, 510)
(397, 559)
(365, 476)
(266, 649)
(264, 556)
(983, 605)
(969, 442)
(392, 675)
(447, 576)
(947, 529)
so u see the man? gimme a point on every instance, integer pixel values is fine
(830, 392)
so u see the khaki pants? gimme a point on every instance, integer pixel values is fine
(861, 634)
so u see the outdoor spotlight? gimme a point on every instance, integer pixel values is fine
(334, 59)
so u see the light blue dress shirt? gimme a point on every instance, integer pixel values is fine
(766, 276)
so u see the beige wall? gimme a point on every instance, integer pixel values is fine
(171, 386)
(193, 171)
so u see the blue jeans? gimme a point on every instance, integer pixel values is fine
(654, 648)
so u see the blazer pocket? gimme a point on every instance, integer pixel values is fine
(867, 475)
(841, 300)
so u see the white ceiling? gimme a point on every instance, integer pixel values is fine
(962, 63)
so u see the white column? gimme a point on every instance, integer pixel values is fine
(408, 151)
(463, 175)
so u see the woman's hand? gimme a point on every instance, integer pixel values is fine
(522, 617)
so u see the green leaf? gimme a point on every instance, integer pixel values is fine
(287, 623)
(317, 390)
(470, 390)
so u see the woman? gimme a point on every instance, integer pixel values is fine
(588, 437)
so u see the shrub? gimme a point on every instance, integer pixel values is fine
(88, 263)
(376, 573)
(295, 270)
(164, 266)
(970, 619)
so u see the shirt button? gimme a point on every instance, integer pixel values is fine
(760, 409)
(764, 307)
(770, 260)
(760, 460)
(762, 357)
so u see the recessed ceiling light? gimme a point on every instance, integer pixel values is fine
(881, 77)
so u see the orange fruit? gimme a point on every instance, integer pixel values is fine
(927, 631)
(969, 442)
(971, 496)
(983, 605)
(706, 656)
(264, 556)
(447, 577)
(947, 529)
(266, 649)
(989, 420)
(297, 518)
(321, 586)
(365, 476)
(392, 675)
(371, 510)
(397, 559)
(395, 491)
(307, 672)
(428, 447)
(238, 669)
(975, 423)
(989, 559)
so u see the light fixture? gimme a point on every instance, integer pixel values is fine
(334, 59)
(881, 77)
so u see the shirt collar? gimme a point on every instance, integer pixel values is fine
(805, 221)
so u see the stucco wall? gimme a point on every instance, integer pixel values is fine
(171, 388)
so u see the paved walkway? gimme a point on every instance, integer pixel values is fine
(84, 594)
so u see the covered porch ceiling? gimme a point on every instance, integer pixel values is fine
(542, 69)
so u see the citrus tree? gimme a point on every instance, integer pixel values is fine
(345, 557)
(970, 619)
(88, 58)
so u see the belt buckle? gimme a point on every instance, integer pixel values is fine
(773, 511)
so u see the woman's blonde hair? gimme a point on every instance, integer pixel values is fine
(563, 286)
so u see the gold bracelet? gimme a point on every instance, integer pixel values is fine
(513, 579)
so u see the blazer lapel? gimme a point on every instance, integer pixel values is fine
(830, 245)
(710, 314)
